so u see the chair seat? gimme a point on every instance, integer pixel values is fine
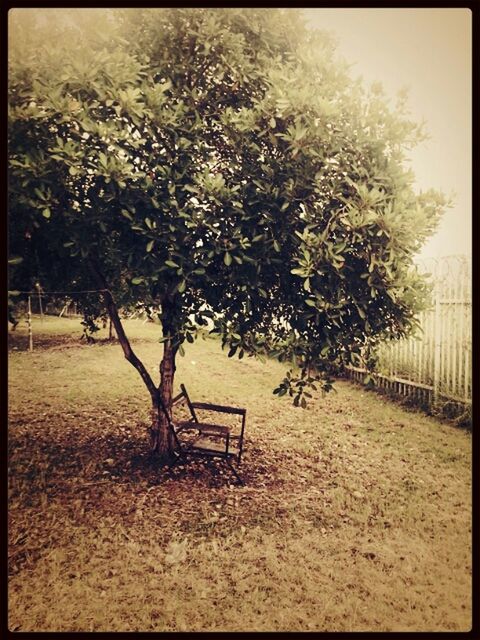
(204, 427)
(216, 447)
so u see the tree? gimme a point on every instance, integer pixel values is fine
(222, 166)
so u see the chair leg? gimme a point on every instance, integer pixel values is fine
(235, 472)
(178, 457)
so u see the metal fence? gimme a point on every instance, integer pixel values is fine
(435, 366)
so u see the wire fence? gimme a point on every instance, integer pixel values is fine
(436, 366)
(42, 303)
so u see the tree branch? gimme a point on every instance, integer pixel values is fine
(122, 337)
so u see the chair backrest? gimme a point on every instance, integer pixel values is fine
(171, 425)
(242, 432)
(183, 397)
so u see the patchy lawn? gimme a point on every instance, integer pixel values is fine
(356, 514)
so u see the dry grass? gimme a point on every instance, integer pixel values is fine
(356, 514)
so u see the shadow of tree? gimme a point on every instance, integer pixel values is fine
(64, 461)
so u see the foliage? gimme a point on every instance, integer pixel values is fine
(221, 165)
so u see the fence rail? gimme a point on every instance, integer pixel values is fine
(435, 366)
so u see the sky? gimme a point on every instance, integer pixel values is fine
(429, 52)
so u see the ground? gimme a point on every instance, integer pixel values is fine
(355, 515)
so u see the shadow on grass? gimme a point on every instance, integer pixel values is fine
(63, 462)
(62, 481)
(43, 342)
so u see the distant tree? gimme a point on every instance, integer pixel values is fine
(221, 165)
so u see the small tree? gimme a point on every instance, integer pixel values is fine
(219, 165)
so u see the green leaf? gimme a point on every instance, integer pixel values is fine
(15, 260)
(391, 295)
(182, 286)
(310, 302)
(46, 213)
(137, 280)
(227, 258)
(171, 263)
(150, 245)
(127, 214)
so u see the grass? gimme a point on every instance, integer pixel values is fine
(356, 514)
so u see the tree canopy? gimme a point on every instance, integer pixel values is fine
(221, 165)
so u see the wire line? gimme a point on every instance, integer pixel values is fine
(46, 293)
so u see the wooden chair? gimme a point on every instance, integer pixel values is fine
(207, 439)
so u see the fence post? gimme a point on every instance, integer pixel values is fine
(437, 351)
(40, 306)
(467, 330)
(29, 321)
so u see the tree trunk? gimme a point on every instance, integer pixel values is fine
(162, 440)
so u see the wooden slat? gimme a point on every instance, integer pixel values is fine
(464, 334)
(463, 328)
(179, 399)
(468, 346)
(204, 427)
(218, 407)
(444, 372)
(431, 346)
(189, 403)
(205, 445)
(438, 366)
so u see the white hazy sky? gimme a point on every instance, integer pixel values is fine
(429, 52)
